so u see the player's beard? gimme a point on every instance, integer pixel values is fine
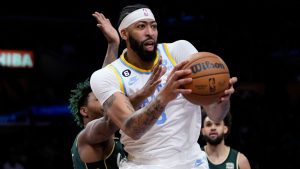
(147, 56)
(214, 141)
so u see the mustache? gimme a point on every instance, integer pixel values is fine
(144, 41)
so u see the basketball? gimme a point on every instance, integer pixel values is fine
(210, 77)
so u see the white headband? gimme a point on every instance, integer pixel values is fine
(139, 14)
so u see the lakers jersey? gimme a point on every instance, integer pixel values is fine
(179, 125)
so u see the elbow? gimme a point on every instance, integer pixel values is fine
(217, 112)
(216, 118)
(133, 133)
(135, 137)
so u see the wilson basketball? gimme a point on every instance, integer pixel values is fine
(210, 77)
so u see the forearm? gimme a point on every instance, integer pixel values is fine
(111, 54)
(101, 130)
(217, 111)
(142, 120)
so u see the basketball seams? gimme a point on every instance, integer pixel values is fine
(192, 60)
(216, 93)
(211, 73)
(196, 77)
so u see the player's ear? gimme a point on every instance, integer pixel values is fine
(202, 131)
(123, 34)
(83, 111)
(225, 129)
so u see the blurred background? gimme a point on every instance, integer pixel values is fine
(46, 47)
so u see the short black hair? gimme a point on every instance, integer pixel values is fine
(128, 9)
(79, 98)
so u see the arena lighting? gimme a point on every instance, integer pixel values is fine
(15, 118)
(52, 110)
(16, 58)
(40, 115)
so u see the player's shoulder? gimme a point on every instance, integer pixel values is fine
(80, 138)
(180, 46)
(179, 42)
(241, 156)
(104, 78)
(101, 73)
(243, 161)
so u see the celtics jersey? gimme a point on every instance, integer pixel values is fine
(229, 163)
(111, 161)
(178, 126)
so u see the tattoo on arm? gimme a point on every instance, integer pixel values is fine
(155, 110)
(108, 103)
(141, 120)
(144, 118)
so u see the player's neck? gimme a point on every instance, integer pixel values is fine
(135, 60)
(86, 121)
(217, 154)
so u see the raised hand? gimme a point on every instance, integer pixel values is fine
(149, 88)
(111, 36)
(174, 82)
(107, 29)
(157, 72)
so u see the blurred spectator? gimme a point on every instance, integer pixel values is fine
(13, 161)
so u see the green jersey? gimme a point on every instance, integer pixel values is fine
(111, 162)
(229, 163)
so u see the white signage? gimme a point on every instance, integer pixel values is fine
(16, 58)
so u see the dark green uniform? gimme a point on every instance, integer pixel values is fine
(111, 162)
(229, 163)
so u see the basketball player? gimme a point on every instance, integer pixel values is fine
(221, 156)
(95, 146)
(163, 131)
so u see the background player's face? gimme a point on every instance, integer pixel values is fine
(142, 38)
(94, 107)
(213, 132)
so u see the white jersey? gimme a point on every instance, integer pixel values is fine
(177, 129)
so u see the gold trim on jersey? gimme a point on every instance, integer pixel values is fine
(136, 68)
(78, 150)
(237, 160)
(169, 55)
(112, 150)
